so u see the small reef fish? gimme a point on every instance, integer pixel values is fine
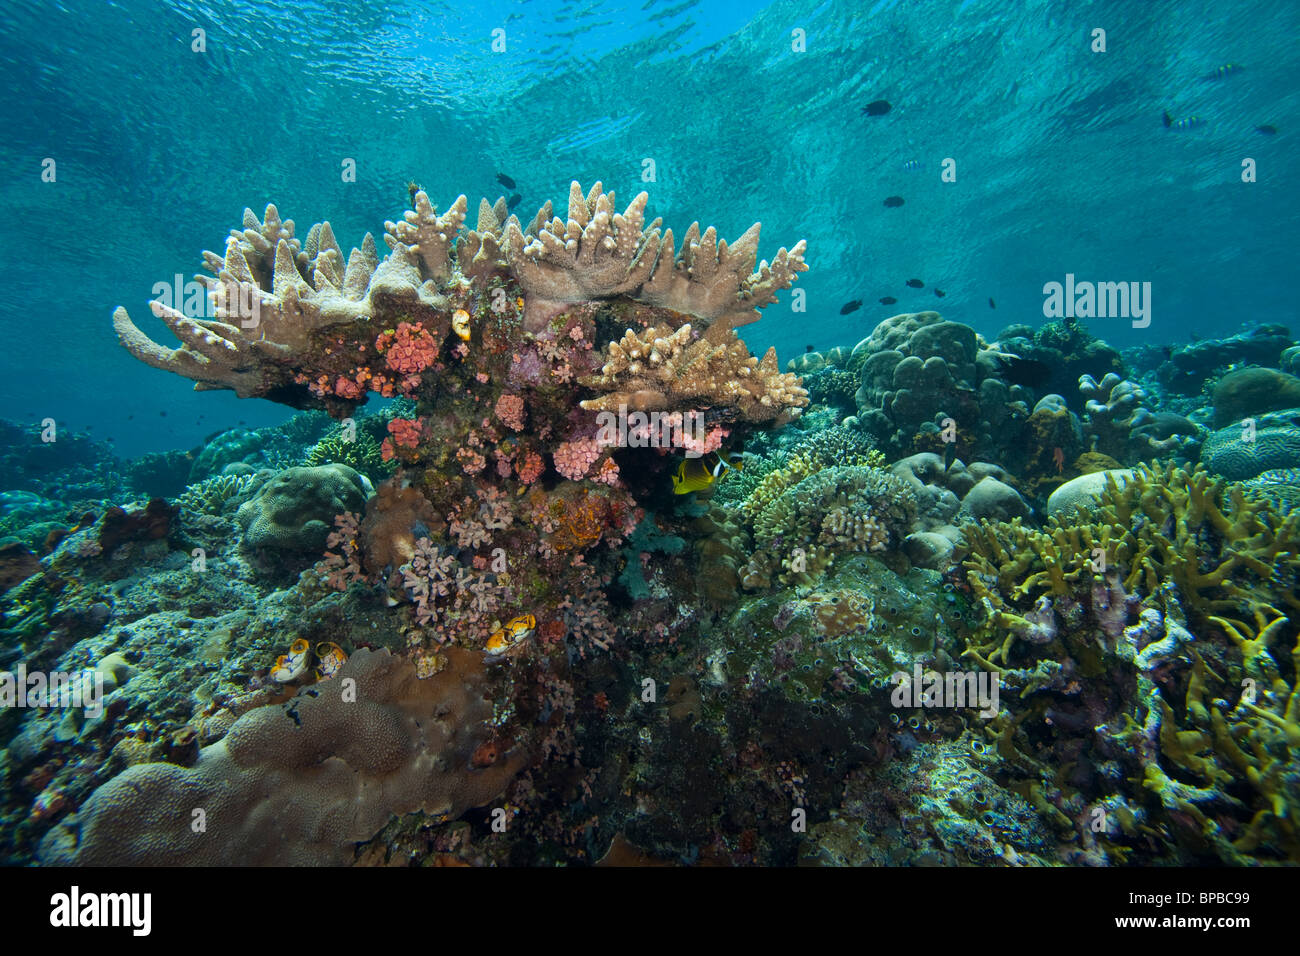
(515, 632)
(329, 658)
(940, 293)
(1191, 122)
(696, 474)
(877, 108)
(412, 187)
(1220, 72)
(293, 665)
(911, 165)
(893, 202)
(505, 180)
(992, 304)
(513, 201)
(888, 300)
(915, 284)
(809, 348)
(460, 324)
(851, 306)
(1267, 129)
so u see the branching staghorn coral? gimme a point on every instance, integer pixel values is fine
(1223, 551)
(673, 370)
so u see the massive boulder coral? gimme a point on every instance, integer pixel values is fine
(294, 510)
(302, 783)
(1239, 452)
(918, 369)
(1118, 423)
(1253, 391)
(666, 370)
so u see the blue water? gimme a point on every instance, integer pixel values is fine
(1063, 164)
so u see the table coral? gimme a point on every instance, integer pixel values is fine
(599, 253)
(666, 369)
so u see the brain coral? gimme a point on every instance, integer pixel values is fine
(295, 509)
(1276, 445)
(301, 783)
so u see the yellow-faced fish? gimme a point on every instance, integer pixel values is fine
(510, 636)
(460, 324)
(289, 667)
(696, 474)
(329, 658)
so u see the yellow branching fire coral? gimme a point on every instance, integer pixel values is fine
(1163, 621)
(1223, 551)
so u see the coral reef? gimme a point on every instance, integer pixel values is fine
(513, 612)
